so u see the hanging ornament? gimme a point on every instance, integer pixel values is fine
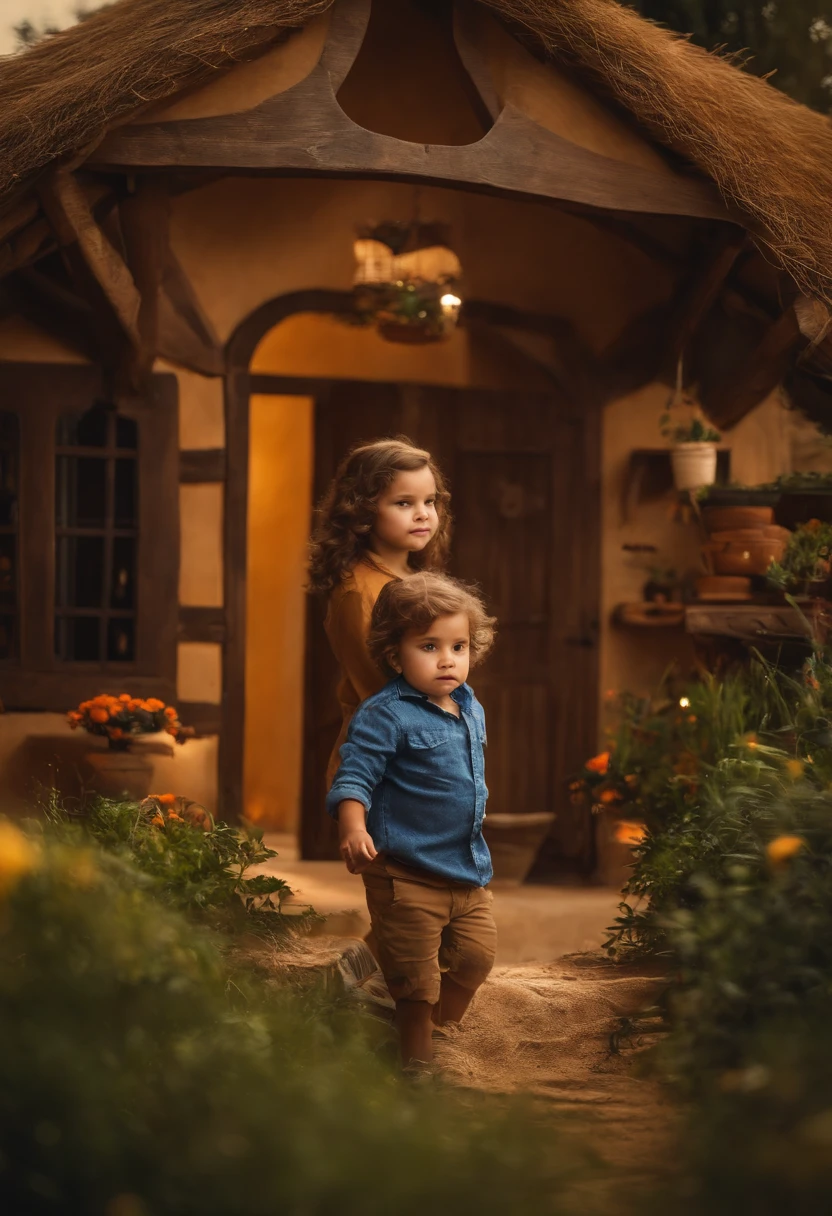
(407, 281)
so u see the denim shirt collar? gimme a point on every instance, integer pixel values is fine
(462, 695)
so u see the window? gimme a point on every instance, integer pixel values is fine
(96, 537)
(9, 475)
(89, 530)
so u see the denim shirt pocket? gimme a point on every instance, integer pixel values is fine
(419, 738)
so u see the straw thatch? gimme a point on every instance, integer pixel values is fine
(770, 157)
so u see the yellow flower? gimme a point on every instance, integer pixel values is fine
(782, 849)
(795, 769)
(18, 856)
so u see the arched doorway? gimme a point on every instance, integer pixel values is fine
(522, 458)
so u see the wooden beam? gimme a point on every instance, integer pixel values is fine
(179, 344)
(700, 291)
(68, 211)
(144, 217)
(200, 465)
(304, 129)
(180, 291)
(27, 246)
(760, 375)
(201, 625)
(19, 216)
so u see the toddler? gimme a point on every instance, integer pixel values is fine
(410, 796)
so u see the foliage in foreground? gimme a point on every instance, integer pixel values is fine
(206, 872)
(137, 1075)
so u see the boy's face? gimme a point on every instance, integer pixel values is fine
(436, 660)
(406, 517)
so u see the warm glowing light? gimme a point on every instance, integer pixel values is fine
(684, 702)
(450, 301)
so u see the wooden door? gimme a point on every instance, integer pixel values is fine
(524, 473)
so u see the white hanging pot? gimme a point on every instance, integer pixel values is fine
(694, 465)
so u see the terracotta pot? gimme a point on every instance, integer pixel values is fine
(745, 557)
(514, 841)
(694, 465)
(727, 519)
(119, 774)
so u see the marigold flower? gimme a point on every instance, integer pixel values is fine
(599, 764)
(795, 769)
(134, 704)
(125, 697)
(608, 796)
(170, 712)
(173, 815)
(782, 849)
(154, 704)
(157, 821)
(115, 732)
(630, 833)
(18, 856)
(98, 714)
(165, 799)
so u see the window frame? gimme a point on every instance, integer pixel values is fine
(40, 394)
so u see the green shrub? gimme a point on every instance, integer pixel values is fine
(138, 1075)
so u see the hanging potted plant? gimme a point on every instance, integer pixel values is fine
(692, 438)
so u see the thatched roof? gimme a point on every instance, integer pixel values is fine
(770, 157)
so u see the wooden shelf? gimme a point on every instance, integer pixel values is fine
(644, 615)
(755, 623)
(649, 476)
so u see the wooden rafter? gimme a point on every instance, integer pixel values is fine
(52, 308)
(699, 292)
(761, 373)
(93, 260)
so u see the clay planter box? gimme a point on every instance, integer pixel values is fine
(514, 842)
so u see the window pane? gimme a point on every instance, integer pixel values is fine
(127, 433)
(8, 640)
(8, 572)
(9, 455)
(77, 639)
(81, 492)
(79, 575)
(122, 592)
(125, 494)
(85, 430)
(121, 640)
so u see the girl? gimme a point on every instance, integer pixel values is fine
(384, 516)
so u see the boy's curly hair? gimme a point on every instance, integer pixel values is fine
(418, 600)
(344, 519)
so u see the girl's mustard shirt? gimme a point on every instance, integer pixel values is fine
(347, 626)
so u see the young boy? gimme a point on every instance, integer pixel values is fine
(410, 797)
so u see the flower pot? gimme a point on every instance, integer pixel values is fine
(694, 465)
(118, 773)
(727, 519)
(746, 557)
(514, 841)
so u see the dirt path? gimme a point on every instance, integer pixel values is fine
(545, 1030)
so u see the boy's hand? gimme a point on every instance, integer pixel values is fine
(357, 850)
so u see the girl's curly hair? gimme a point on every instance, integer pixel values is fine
(345, 516)
(418, 600)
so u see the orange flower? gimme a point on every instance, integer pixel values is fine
(158, 821)
(629, 833)
(599, 764)
(782, 849)
(74, 716)
(133, 704)
(814, 525)
(173, 815)
(170, 712)
(172, 730)
(166, 799)
(125, 697)
(97, 714)
(632, 780)
(609, 796)
(154, 705)
(115, 732)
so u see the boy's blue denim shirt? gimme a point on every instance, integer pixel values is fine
(420, 771)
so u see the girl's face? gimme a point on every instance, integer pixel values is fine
(436, 660)
(406, 517)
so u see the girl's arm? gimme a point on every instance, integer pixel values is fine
(348, 629)
(355, 842)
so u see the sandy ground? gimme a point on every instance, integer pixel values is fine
(542, 1024)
